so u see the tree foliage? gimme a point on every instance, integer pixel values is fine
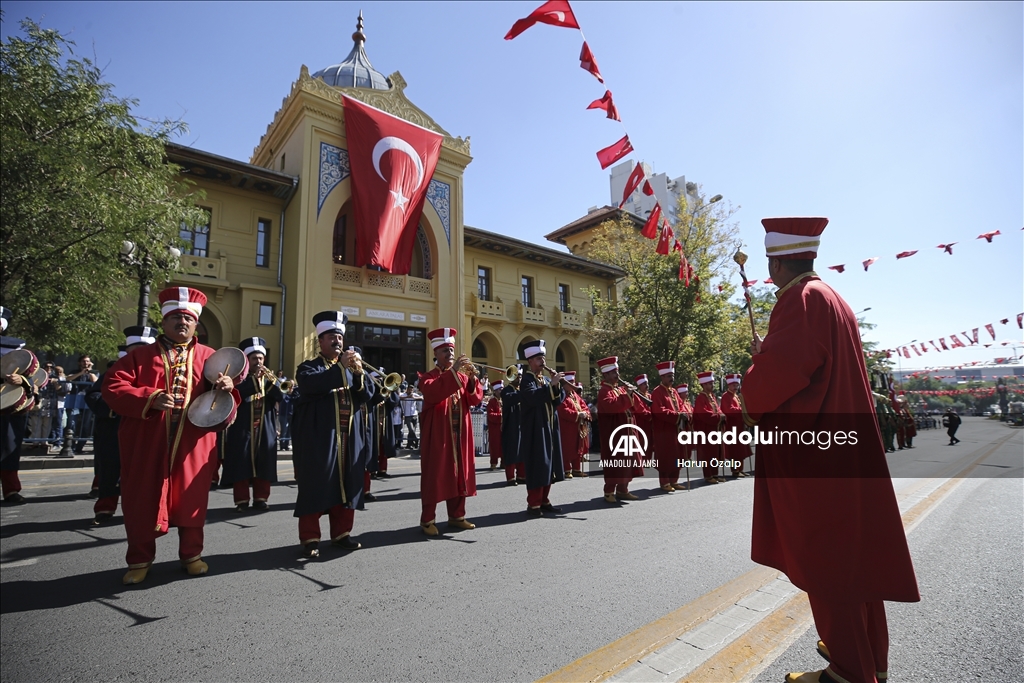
(79, 176)
(655, 316)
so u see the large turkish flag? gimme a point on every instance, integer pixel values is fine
(392, 162)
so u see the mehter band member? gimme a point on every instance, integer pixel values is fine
(14, 421)
(447, 465)
(736, 451)
(614, 408)
(330, 449)
(708, 419)
(573, 428)
(250, 450)
(668, 417)
(539, 441)
(828, 517)
(167, 462)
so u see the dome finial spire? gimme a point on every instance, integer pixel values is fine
(359, 36)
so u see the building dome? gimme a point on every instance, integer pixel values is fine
(355, 71)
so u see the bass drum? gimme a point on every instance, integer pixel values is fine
(20, 361)
(14, 399)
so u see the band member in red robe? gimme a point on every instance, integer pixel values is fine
(447, 465)
(642, 414)
(250, 442)
(708, 419)
(686, 452)
(494, 424)
(667, 416)
(540, 445)
(167, 462)
(13, 424)
(614, 408)
(737, 451)
(573, 428)
(824, 512)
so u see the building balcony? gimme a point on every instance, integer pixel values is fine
(569, 321)
(488, 310)
(203, 266)
(379, 282)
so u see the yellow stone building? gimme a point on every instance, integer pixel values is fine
(280, 244)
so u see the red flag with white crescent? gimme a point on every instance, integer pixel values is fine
(632, 182)
(615, 151)
(991, 330)
(606, 103)
(392, 162)
(554, 13)
(664, 241)
(589, 64)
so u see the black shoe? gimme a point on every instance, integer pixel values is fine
(260, 506)
(369, 497)
(102, 517)
(94, 493)
(311, 550)
(534, 512)
(383, 475)
(513, 482)
(520, 480)
(346, 543)
(241, 507)
(14, 499)
(548, 507)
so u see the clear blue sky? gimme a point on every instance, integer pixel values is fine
(902, 123)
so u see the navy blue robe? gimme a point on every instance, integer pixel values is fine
(315, 437)
(540, 443)
(240, 462)
(511, 416)
(105, 445)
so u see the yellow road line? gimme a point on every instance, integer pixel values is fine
(616, 656)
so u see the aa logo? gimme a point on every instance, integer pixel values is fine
(628, 441)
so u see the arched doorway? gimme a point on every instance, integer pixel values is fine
(486, 350)
(567, 358)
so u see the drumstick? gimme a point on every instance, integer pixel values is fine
(4, 385)
(214, 401)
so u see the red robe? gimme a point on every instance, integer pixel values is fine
(614, 408)
(828, 517)
(569, 427)
(494, 428)
(164, 482)
(707, 418)
(665, 411)
(645, 421)
(734, 418)
(444, 472)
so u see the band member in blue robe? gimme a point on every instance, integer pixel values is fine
(250, 450)
(540, 443)
(330, 450)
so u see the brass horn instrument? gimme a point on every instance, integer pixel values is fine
(391, 383)
(511, 372)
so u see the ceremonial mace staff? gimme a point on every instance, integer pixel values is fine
(741, 258)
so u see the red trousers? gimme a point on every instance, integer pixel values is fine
(537, 497)
(366, 482)
(142, 546)
(514, 471)
(382, 463)
(456, 509)
(856, 635)
(616, 485)
(106, 504)
(668, 470)
(341, 524)
(260, 490)
(10, 482)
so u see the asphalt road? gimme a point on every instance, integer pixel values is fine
(512, 600)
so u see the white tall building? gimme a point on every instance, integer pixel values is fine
(666, 191)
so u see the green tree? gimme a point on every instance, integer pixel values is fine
(79, 175)
(654, 316)
(737, 353)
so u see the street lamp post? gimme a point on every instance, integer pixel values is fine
(697, 209)
(142, 262)
(899, 355)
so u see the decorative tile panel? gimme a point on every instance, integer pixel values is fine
(439, 195)
(334, 168)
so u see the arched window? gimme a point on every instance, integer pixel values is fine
(479, 350)
(560, 360)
